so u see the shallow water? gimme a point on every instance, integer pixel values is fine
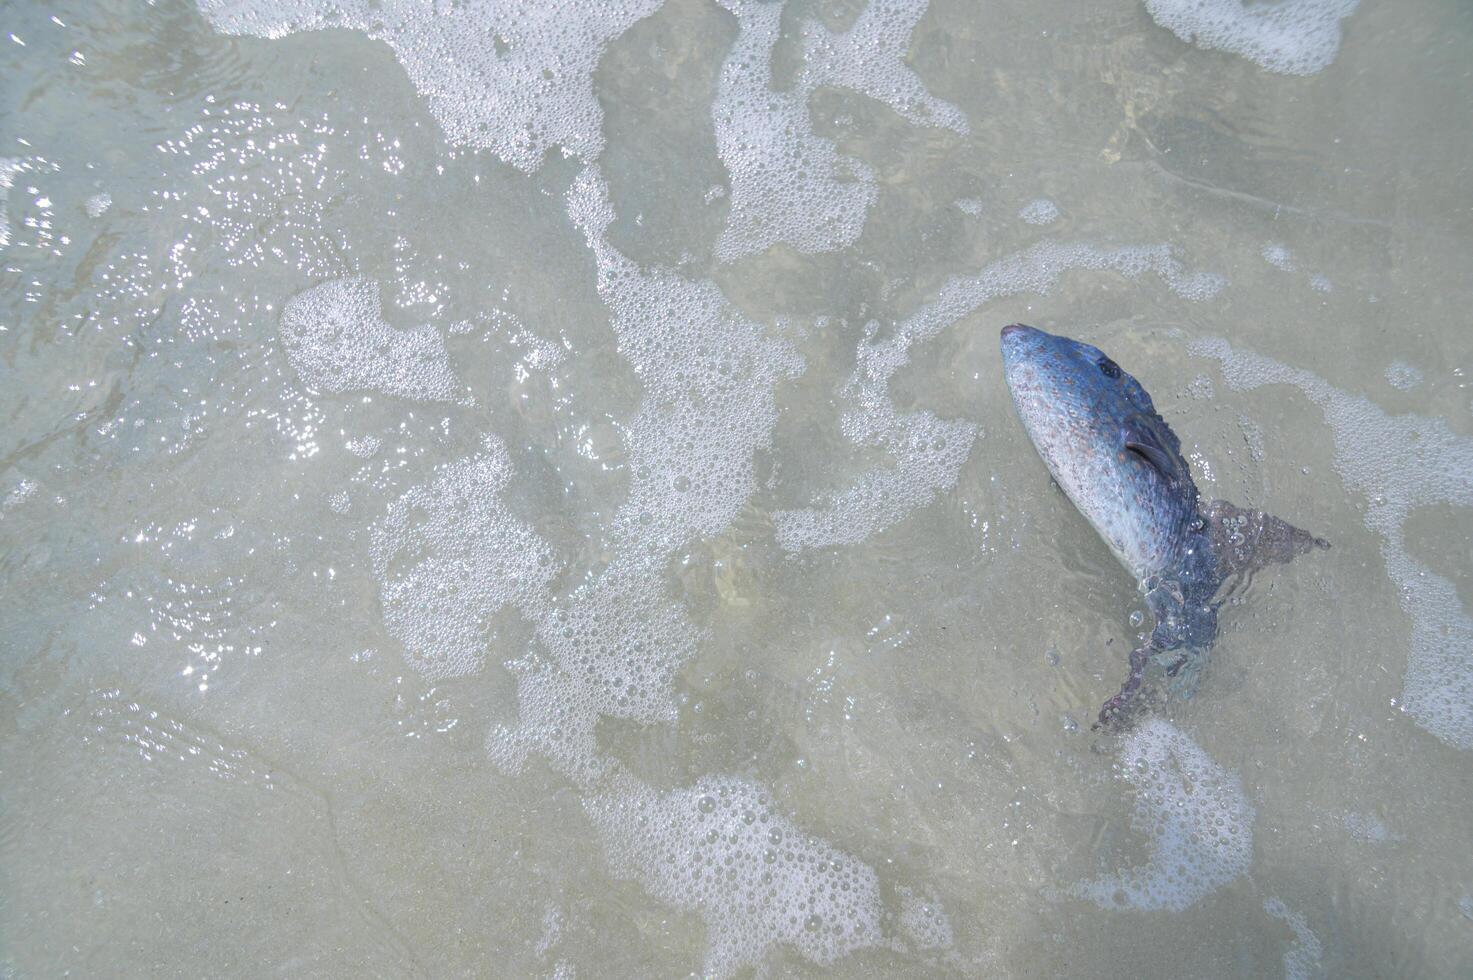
(533, 494)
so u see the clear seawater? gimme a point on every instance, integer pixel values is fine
(528, 490)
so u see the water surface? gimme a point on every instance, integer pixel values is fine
(531, 492)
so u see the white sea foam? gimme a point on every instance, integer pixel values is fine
(720, 848)
(612, 649)
(1403, 376)
(927, 452)
(1198, 824)
(513, 78)
(336, 339)
(1040, 211)
(1278, 255)
(924, 922)
(96, 205)
(1292, 37)
(449, 555)
(788, 184)
(1302, 958)
(1399, 463)
(1367, 827)
(23, 490)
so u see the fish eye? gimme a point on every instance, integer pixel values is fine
(1109, 368)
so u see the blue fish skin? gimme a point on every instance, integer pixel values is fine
(1121, 465)
(1077, 405)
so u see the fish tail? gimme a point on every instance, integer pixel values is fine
(1120, 711)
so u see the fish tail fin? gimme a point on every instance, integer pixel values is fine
(1244, 539)
(1119, 712)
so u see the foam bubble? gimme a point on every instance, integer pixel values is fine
(1278, 256)
(96, 205)
(926, 455)
(613, 648)
(613, 645)
(1367, 827)
(1041, 211)
(1403, 376)
(19, 494)
(924, 922)
(789, 185)
(1302, 958)
(336, 339)
(720, 848)
(1400, 463)
(448, 555)
(1198, 824)
(926, 452)
(1292, 37)
(513, 78)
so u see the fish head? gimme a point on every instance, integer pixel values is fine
(1107, 448)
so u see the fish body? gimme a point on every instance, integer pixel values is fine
(1120, 464)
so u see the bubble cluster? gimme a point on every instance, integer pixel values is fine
(1399, 463)
(1367, 827)
(336, 340)
(788, 184)
(924, 922)
(708, 374)
(1292, 37)
(513, 78)
(926, 452)
(614, 645)
(1041, 211)
(96, 205)
(23, 490)
(1198, 824)
(720, 848)
(1278, 255)
(1403, 376)
(448, 555)
(611, 649)
(1302, 958)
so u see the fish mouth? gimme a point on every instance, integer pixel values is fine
(1020, 336)
(1017, 340)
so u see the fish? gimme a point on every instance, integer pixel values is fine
(1121, 465)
